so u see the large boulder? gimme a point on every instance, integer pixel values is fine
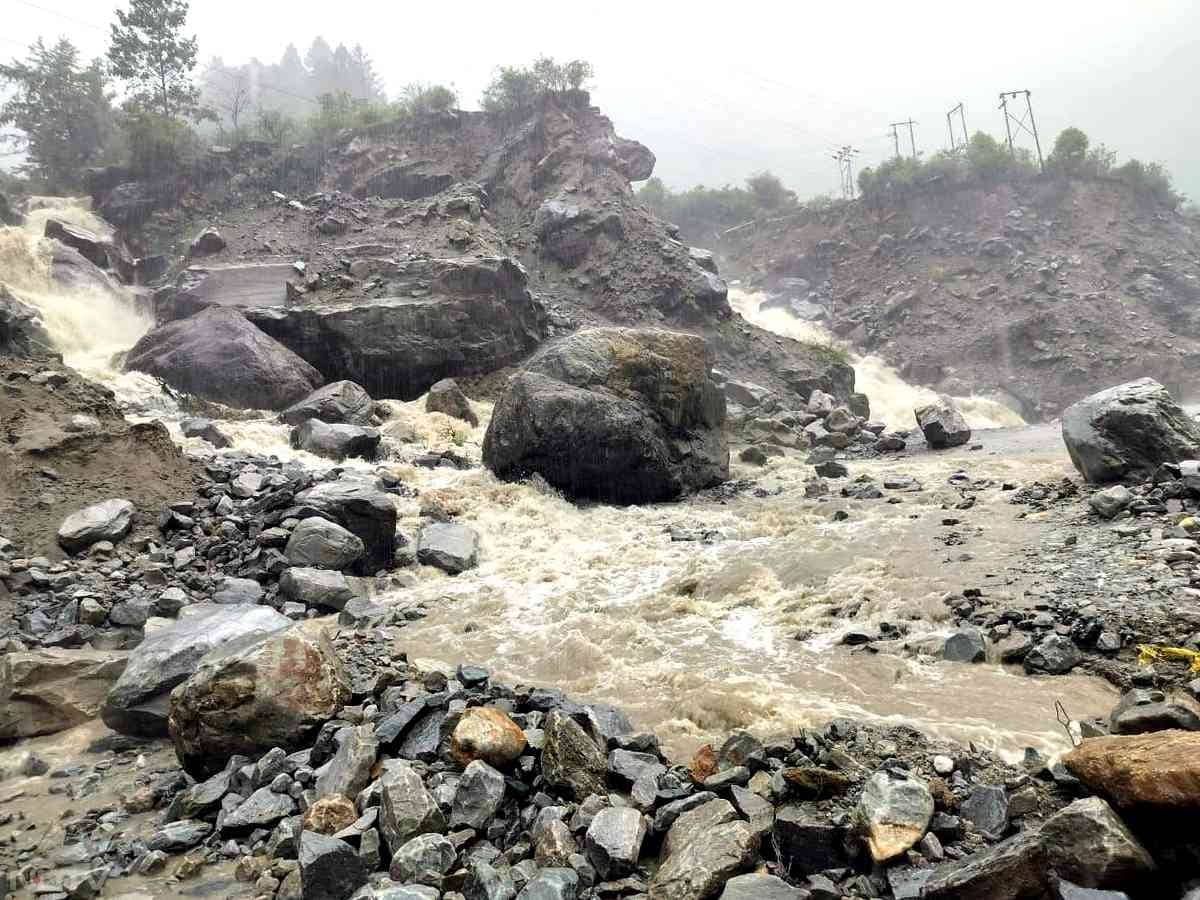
(1159, 770)
(942, 424)
(137, 704)
(617, 414)
(336, 441)
(89, 244)
(108, 520)
(320, 544)
(698, 870)
(361, 509)
(894, 813)
(1128, 430)
(338, 403)
(443, 318)
(448, 546)
(316, 587)
(571, 761)
(255, 693)
(219, 356)
(51, 690)
(447, 397)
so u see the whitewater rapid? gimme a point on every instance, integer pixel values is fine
(892, 398)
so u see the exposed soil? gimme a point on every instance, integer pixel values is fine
(51, 466)
(1040, 291)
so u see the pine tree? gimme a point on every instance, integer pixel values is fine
(149, 50)
(62, 109)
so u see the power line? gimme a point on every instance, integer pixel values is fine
(962, 118)
(844, 157)
(911, 136)
(61, 15)
(1024, 122)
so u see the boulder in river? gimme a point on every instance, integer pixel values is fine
(448, 546)
(942, 424)
(338, 403)
(219, 356)
(21, 330)
(448, 398)
(254, 693)
(1128, 430)
(336, 441)
(137, 702)
(317, 588)
(108, 520)
(206, 430)
(621, 415)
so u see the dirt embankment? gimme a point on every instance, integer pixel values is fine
(64, 445)
(1041, 290)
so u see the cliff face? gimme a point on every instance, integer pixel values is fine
(551, 193)
(1041, 291)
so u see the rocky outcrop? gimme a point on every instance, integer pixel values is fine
(137, 703)
(50, 690)
(255, 693)
(338, 403)
(617, 414)
(218, 355)
(442, 318)
(21, 329)
(1128, 430)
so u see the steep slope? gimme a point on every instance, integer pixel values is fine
(398, 206)
(1039, 291)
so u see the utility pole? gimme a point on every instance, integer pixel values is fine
(844, 157)
(912, 139)
(1025, 122)
(962, 118)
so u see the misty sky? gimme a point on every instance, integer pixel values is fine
(718, 91)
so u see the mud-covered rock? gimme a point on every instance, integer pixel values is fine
(1128, 430)
(616, 414)
(51, 690)
(1160, 770)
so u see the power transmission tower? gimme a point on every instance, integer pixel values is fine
(962, 120)
(1024, 122)
(911, 136)
(844, 157)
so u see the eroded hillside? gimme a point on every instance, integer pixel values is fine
(1036, 291)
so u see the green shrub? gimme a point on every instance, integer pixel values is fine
(418, 99)
(158, 146)
(1070, 152)
(1151, 183)
(515, 91)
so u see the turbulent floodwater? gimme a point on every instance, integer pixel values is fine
(892, 398)
(693, 638)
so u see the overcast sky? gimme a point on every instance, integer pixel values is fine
(720, 90)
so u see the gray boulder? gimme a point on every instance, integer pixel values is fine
(478, 797)
(109, 520)
(206, 242)
(364, 511)
(137, 704)
(406, 808)
(22, 333)
(448, 398)
(50, 690)
(1053, 655)
(551, 884)
(571, 761)
(322, 588)
(350, 769)
(620, 415)
(965, 645)
(320, 544)
(338, 403)
(426, 859)
(614, 841)
(1128, 430)
(942, 424)
(447, 546)
(756, 886)
(894, 813)
(329, 869)
(1111, 502)
(218, 355)
(698, 870)
(336, 441)
(986, 807)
